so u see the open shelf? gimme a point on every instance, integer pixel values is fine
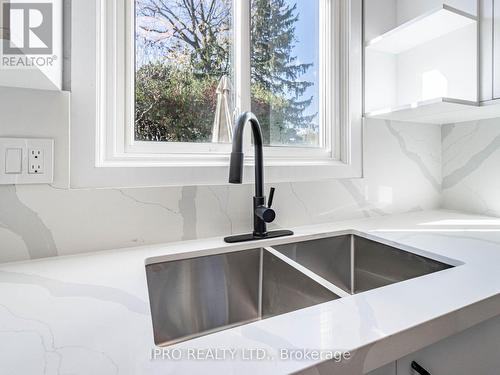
(429, 26)
(433, 111)
(440, 111)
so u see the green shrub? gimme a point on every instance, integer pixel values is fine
(174, 104)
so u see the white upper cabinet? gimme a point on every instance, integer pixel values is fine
(421, 59)
(490, 50)
(31, 44)
(432, 61)
(486, 50)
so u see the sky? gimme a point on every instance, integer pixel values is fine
(307, 48)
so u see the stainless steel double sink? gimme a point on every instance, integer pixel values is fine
(196, 296)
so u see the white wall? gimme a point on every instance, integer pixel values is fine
(457, 66)
(381, 16)
(402, 173)
(39, 114)
(471, 166)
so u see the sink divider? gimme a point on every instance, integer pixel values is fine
(353, 277)
(261, 279)
(306, 271)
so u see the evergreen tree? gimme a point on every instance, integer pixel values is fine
(276, 86)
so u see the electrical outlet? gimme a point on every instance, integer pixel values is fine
(35, 161)
(26, 160)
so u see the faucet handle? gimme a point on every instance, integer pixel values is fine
(271, 198)
(266, 214)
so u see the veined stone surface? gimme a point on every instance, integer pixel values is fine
(471, 167)
(402, 173)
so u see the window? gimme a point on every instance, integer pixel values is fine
(285, 70)
(172, 75)
(183, 70)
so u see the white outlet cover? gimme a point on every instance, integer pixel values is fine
(26, 144)
(36, 161)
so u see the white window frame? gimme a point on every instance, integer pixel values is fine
(119, 160)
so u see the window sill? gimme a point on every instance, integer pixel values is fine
(134, 172)
(223, 162)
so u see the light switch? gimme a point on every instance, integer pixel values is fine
(13, 160)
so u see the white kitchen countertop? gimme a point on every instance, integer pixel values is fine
(89, 314)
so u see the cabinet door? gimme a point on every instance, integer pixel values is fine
(496, 49)
(474, 351)
(486, 49)
(389, 369)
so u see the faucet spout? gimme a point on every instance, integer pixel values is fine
(237, 156)
(262, 214)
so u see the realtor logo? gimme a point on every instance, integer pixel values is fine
(28, 27)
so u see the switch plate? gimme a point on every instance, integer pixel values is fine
(14, 160)
(41, 171)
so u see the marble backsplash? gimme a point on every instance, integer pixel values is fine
(471, 166)
(402, 173)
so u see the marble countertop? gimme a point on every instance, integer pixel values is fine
(89, 314)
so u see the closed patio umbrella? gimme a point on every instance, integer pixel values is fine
(222, 131)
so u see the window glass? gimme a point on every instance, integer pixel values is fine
(182, 70)
(285, 70)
